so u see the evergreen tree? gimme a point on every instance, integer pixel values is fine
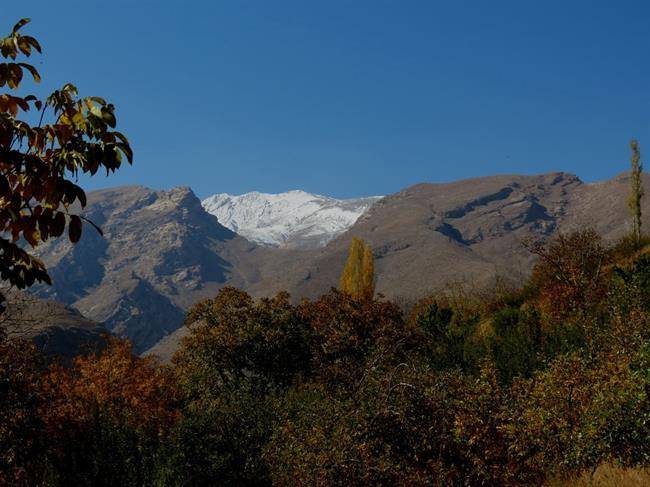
(636, 191)
(358, 278)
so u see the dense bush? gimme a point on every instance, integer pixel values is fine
(506, 387)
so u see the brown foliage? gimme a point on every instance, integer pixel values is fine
(395, 429)
(343, 391)
(480, 417)
(571, 273)
(130, 390)
(347, 332)
(572, 415)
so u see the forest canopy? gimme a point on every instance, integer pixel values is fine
(511, 387)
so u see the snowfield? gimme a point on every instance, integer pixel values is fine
(295, 219)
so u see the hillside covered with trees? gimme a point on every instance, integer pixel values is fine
(503, 387)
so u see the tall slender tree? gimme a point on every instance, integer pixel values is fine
(367, 273)
(636, 191)
(358, 278)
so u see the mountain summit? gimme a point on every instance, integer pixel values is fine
(295, 219)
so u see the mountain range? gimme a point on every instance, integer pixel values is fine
(163, 250)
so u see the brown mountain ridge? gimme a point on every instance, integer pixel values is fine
(162, 252)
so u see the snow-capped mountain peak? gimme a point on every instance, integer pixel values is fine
(295, 219)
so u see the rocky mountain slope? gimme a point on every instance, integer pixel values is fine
(162, 251)
(294, 219)
(429, 235)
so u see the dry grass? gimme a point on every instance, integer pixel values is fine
(607, 476)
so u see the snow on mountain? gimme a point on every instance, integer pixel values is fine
(294, 219)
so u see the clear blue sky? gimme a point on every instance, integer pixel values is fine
(354, 97)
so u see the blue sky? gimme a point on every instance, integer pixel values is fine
(352, 98)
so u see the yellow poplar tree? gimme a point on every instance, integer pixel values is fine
(367, 273)
(358, 278)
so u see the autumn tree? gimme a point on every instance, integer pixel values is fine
(239, 355)
(40, 163)
(395, 428)
(636, 191)
(360, 417)
(107, 416)
(358, 278)
(368, 273)
(348, 335)
(570, 276)
(233, 339)
(581, 411)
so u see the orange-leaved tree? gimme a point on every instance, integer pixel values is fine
(106, 416)
(41, 161)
